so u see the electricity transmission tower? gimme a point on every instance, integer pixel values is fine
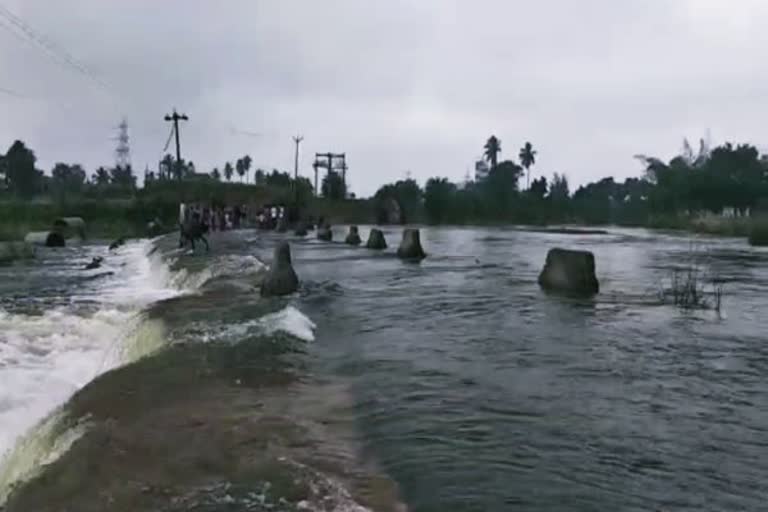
(123, 150)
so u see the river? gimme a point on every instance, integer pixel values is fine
(162, 381)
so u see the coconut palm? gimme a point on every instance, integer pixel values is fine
(527, 159)
(492, 150)
(228, 171)
(247, 167)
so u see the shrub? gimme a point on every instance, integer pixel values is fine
(691, 287)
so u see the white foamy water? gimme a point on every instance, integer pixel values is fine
(289, 320)
(46, 358)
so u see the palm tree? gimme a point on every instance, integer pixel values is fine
(527, 159)
(240, 168)
(492, 150)
(247, 166)
(215, 174)
(228, 171)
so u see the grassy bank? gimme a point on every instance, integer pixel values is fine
(705, 224)
(105, 219)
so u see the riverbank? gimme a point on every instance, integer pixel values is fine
(108, 219)
(128, 217)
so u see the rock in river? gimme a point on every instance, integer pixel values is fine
(569, 271)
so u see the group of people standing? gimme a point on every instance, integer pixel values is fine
(213, 218)
(269, 216)
(196, 220)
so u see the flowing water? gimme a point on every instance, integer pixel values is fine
(162, 381)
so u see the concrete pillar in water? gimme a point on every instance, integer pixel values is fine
(70, 227)
(46, 238)
(376, 240)
(353, 237)
(281, 279)
(569, 271)
(410, 246)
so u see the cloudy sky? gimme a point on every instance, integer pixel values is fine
(400, 86)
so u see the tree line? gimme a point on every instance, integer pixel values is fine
(20, 176)
(730, 179)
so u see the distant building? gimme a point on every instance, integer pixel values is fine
(481, 170)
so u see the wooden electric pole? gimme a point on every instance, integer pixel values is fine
(175, 118)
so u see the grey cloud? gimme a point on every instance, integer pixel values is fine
(400, 86)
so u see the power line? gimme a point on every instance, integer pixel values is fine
(46, 43)
(168, 142)
(25, 32)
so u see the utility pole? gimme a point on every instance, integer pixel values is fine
(175, 117)
(297, 139)
(315, 166)
(331, 162)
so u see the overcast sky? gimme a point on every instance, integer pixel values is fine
(398, 85)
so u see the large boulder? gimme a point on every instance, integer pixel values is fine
(353, 237)
(45, 238)
(410, 246)
(281, 278)
(376, 240)
(324, 232)
(569, 271)
(70, 227)
(12, 251)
